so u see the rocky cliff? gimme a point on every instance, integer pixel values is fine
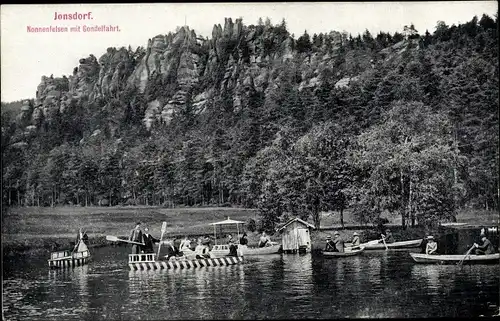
(182, 70)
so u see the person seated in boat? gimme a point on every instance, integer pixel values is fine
(148, 241)
(431, 246)
(355, 240)
(233, 249)
(264, 240)
(136, 236)
(185, 244)
(339, 242)
(388, 238)
(201, 250)
(486, 248)
(330, 246)
(244, 239)
(171, 251)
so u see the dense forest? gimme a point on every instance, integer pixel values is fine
(403, 123)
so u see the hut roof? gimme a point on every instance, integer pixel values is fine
(296, 220)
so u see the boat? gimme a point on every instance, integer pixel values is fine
(80, 255)
(222, 250)
(374, 245)
(272, 249)
(148, 261)
(348, 252)
(456, 258)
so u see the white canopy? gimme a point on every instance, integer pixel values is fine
(228, 221)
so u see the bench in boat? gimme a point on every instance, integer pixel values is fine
(148, 261)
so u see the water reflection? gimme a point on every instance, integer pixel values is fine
(373, 284)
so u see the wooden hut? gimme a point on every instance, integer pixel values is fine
(296, 236)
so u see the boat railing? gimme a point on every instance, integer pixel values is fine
(139, 258)
(60, 255)
(81, 255)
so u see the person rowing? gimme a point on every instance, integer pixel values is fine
(486, 248)
(338, 241)
(330, 246)
(387, 238)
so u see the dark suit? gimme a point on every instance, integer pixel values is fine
(148, 241)
(136, 236)
(330, 246)
(171, 251)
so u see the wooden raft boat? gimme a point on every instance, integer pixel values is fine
(455, 258)
(68, 259)
(149, 262)
(348, 252)
(395, 245)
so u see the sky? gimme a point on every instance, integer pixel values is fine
(26, 56)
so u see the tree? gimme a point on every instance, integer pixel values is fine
(304, 44)
(405, 159)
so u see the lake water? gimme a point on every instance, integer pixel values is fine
(375, 284)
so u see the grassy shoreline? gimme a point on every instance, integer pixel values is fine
(35, 231)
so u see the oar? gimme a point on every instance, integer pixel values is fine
(163, 229)
(115, 239)
(383, 240)
(466, 255)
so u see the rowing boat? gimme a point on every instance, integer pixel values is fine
(272, 249)
(454, 258)
(395, 245)
(348, 252)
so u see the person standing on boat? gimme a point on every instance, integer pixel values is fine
(355, 240)
(148, 241)
(244, 239)
(330, 246)
(486, 247)
(338, 241)
(264, 240)
(431, 246)
(136, 236)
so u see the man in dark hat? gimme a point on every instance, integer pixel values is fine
(338, 241)
(148, 241)
(431, 247)
(486, 247)
(330, 246)
(136, 236)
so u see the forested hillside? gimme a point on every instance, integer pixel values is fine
(404, 123)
